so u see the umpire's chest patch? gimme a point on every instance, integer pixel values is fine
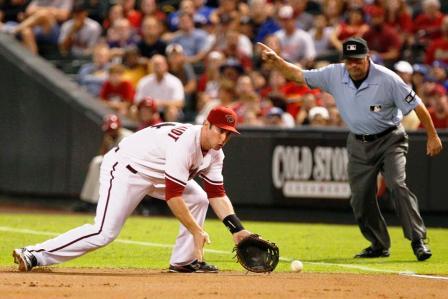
(376, 108)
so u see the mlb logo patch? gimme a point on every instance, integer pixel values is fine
(351, 48)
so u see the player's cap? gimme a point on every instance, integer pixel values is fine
(403, 67)
(148, 102)
(111, 122)
(354, 47)
(224, 118)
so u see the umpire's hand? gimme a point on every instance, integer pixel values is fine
(433, 145)
(267, 54)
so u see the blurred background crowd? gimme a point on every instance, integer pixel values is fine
(159, 61)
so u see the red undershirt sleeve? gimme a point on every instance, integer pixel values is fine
(214, 190)
(172, 189)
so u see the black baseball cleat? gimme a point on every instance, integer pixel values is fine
(25, 259)
(421, 250)
(370, 252)
(194, 267)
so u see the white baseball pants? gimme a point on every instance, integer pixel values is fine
(121, 189)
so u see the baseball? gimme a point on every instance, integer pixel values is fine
(296, 266)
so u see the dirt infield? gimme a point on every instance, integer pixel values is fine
(130, 283)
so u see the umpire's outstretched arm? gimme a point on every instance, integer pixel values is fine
(289, 71)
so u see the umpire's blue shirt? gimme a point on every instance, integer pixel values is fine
(378, 104)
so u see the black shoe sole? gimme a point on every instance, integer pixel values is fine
(424, 257)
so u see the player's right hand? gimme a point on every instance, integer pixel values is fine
(200, 239)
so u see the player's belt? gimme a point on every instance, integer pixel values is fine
(373, 137)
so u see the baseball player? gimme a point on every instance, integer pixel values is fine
(372, 100)
(159, 161)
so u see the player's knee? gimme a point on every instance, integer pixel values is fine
(203, 199)
(107, 237)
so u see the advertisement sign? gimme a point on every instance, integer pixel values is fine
(308, 170)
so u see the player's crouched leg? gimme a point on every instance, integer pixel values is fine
(183, 258)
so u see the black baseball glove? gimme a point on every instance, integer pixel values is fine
(257, 255)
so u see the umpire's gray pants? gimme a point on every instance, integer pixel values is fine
(366, 159)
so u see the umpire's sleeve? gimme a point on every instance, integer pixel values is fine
(320, 78)
(404, 97)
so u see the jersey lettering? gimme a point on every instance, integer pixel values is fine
(158, 126)
(176, 132)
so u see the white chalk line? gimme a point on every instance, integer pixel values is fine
(285, 259)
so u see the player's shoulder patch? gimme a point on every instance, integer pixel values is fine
(410, 97)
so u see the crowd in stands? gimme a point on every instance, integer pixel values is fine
(159, 61)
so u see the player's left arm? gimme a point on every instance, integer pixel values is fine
(223, 208)
(434, 144)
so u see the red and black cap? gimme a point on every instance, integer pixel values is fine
(148, 102)
(224, 118)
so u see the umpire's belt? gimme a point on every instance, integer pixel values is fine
(368, 138)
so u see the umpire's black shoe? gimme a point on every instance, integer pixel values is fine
(194, 267)
(421, 250)
(370, 252)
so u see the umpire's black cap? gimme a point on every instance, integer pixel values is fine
(354, 47)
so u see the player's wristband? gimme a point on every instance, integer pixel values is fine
(233, 223)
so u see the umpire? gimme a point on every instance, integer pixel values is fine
(372, 100)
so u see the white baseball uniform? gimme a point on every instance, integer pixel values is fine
(168, 154)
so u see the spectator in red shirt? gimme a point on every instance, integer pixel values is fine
(354, 26)
(427, 24)
(384, 42)
(115, 13)
(117, 92)
(438, 49)
(439, 107)
(134, 16)
(397, 15)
